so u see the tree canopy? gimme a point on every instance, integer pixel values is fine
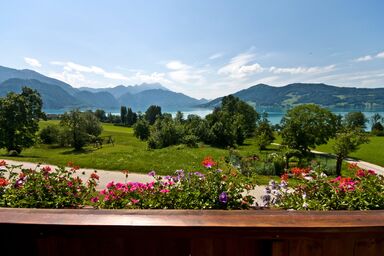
(307, 126)
(19, 117)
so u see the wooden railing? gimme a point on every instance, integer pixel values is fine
(190, 232)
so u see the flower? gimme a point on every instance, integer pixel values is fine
(223, 197)
(95, 199)
(46, 169)
(164, 191)
(3, 163)
(94, 176)
(208, 162)
(134, 201)
(152, 173)
(3, 182)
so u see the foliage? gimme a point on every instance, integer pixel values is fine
(101, 115)
(355, 120)
(152, 113)
(81, 127)
(165, 132)
(49, 134)
(19, 119)
(264, 132)
(307, 126)
(44, 187)
(315, 191)
(215, 189)
(231, 123)
(141, 129)
(123, 114)
(347, 141)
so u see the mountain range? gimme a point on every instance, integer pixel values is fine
(288, 96)
(58, 95)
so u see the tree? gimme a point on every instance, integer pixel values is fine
(49, 134)
(19, 120)
(354, 120)
(307, 126)
(123, 114)
(376, 128)
(264, 132)
(347, 141)
(141, 129)
(131, 117)
(81, 126)
(101, 115)
(152, 113)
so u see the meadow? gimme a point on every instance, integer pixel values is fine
(129, 153)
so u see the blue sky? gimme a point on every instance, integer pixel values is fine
(200, 48)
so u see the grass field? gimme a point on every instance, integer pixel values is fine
(372, 152)
(128, 153)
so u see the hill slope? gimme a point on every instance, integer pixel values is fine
(299, 93)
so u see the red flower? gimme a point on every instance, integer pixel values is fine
(208, 162)
(3, 182)
(3, 163)
(284, 177)
(360, 173)
(46, 169)
(95, 176)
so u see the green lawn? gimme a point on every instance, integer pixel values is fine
(128, 153)
(372, 152)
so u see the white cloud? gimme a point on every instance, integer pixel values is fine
(32, 62)
(77, 68)
(364, 58)
(176, 65)
(215, 56)
(302, 70)
(183, 73)
(238, 66)
(154, 77)
(380, 55)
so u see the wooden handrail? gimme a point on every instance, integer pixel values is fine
(190, 232)
(194, 218)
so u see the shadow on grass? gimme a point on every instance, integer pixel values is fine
(78, 152)
(17, 156)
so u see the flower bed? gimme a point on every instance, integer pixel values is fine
(209, 188)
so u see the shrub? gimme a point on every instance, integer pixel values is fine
(49, 134)
(44, 187)
(315, 191)
(215, 189)
(190, 140)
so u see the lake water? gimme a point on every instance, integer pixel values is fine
(274, 116)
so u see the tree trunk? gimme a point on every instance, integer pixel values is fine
(339, 162)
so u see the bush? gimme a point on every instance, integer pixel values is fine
(141, 129)
(49, 134)
(315, 191)
(44, 188)
(213, 190)
(190, 140)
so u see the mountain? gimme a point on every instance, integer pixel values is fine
(53, 96)
(263, 95)
(103, 100)
(27, 74)
(58, 95)
(119, 90)
(164, 98)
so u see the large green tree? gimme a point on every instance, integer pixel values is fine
(355, 120)
(347, 141)
(152, 113)
(81, 127)
(19, 119)
(309, 125)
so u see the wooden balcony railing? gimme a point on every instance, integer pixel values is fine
(190, 232)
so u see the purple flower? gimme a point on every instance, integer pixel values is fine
(152, 173)
(223, 197)
(199, 174)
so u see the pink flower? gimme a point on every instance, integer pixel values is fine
(94, 199)
(164, 191)
(70, 184)
(46, 169)
(134, 201)
(111, 184)
(208, 162)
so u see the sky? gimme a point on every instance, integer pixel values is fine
(202, 48)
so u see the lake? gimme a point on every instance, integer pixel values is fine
(274, 116)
